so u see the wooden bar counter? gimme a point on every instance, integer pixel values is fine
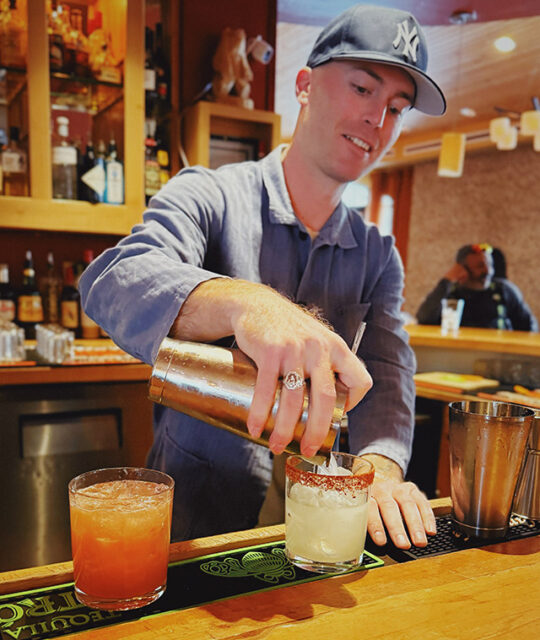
(489, 592)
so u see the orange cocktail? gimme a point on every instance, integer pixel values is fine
(120, 534)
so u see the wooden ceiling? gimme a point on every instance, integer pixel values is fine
(463, 59)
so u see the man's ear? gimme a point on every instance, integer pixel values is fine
(303, 85)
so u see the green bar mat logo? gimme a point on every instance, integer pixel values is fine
(54, 612)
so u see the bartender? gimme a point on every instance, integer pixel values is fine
(267, 253)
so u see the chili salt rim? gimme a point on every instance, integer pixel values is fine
(358, 482)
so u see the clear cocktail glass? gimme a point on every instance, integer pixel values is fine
(326, 515)
(120, 535)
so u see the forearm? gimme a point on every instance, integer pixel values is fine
(212, 309)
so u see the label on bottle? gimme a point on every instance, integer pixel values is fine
(69, 311)
(149, 80)
(64, 155)
(30, 309)
(115, 182)
(89, 329)
(13, 162)
(95, 179)
(7, 310)
(152, 180)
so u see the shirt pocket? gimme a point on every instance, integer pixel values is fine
(347, 319)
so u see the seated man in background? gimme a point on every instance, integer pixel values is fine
(490, 302)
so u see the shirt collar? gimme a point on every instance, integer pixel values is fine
(336, 231)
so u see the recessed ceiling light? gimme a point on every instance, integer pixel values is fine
(467, 112)
(505, 44)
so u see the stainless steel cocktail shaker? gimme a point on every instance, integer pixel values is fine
(216, 385)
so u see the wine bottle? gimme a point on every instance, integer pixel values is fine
(69, 300)
(8, 296)
(14, 167)
(89, 328)
(50, 285)
(29, 302)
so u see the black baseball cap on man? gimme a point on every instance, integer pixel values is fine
(388, 36)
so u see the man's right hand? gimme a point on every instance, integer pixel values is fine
(279, 336)
(457, 273)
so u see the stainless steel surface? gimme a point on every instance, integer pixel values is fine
(216, 385)
(527, 497)
(54, 435)
(35, 471)
(487, 443)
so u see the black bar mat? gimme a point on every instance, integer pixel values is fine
(53, 612)
(447, 541)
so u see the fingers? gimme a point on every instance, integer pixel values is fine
(398, 504)
(322, 401)
(291, 401)
(263, 398)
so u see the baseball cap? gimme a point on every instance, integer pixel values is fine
(388, 36)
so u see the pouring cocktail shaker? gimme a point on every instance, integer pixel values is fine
(216, 385)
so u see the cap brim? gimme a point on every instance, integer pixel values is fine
(429, 97)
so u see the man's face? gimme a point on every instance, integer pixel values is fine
(479, 266)
(352, 113)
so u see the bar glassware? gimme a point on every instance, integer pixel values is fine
(451, 312)
(120, 535)
(487, 443)
(326, 515)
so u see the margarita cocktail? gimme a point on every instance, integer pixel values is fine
(326, 508)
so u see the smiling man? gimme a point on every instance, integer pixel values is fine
(250, 251)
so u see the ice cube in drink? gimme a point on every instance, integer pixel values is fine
(120, 534)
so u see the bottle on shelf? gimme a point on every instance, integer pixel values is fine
(161, 65)
(162, 156)
(152, 182)
(69, 300)
(88, 162)
(95, 178)
(13, 36)
(29, 302)
(50, 285)
(56, 42)
(14, 167)
(150, 74)
(89, 328)
(64, 163)
(8, 297)
(114, 180)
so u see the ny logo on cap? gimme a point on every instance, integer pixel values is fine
(410, 40)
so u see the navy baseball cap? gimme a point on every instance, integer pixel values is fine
(388, 36)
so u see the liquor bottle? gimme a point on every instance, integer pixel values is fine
(50, 285)
(69, 300)
(13, 36)
(161, 65)
(95, 177)
(8, 298)
(150, 74)
(89, 328)
(29, 303)
(88, 162)
(56, 42)
(114, 180)
(64, 161)
(14, 167)
(152, 182)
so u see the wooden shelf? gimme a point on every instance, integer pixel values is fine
(205, 119)
(41, 211)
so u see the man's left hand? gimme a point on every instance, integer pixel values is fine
(397, 503)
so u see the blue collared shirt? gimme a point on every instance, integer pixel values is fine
(238, 222)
